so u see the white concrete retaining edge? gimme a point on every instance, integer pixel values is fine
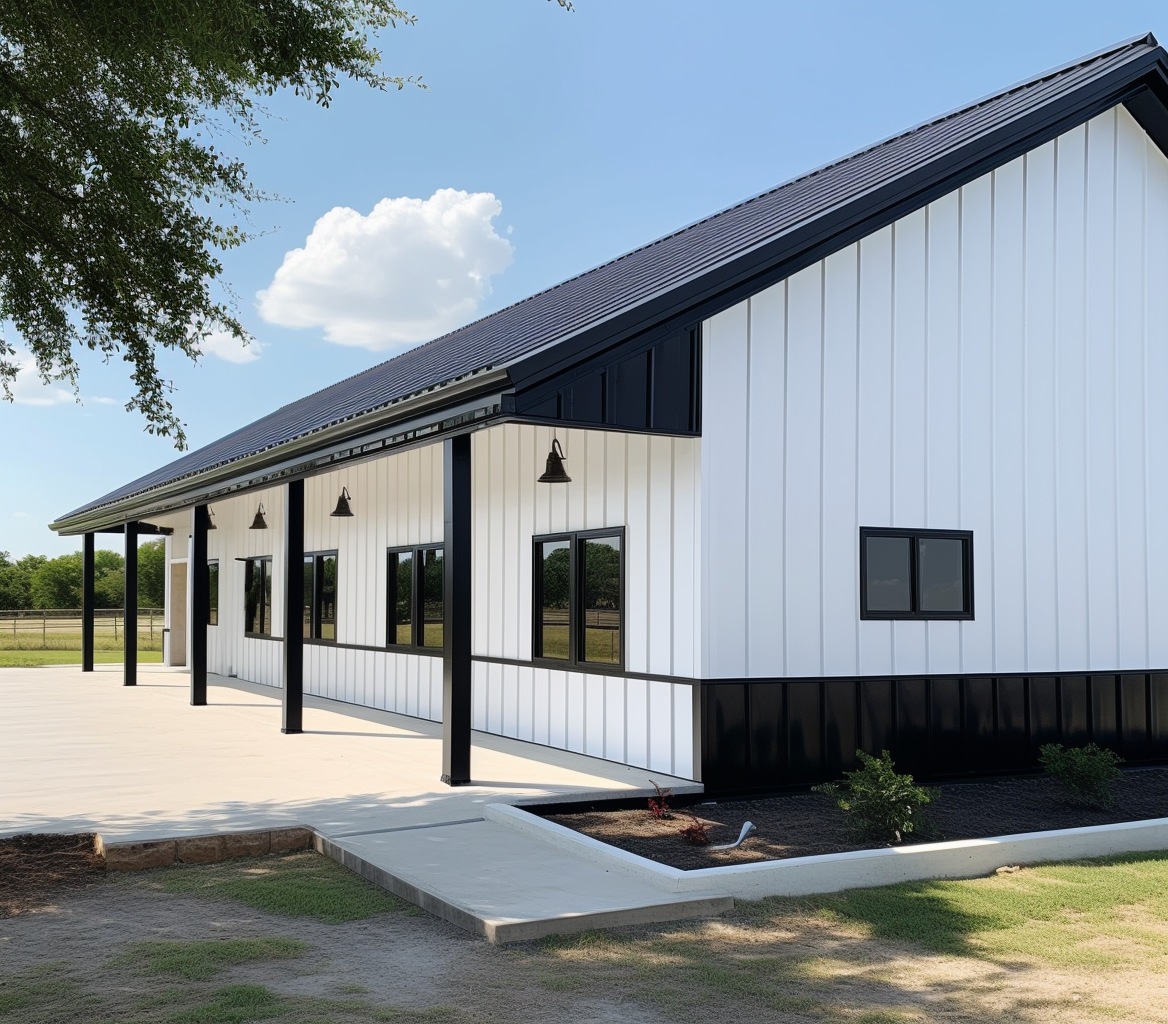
(832, 872)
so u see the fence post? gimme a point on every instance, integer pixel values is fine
(44, 629)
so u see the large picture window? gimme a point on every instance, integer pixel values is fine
(579, 598)
(916, 574)
(213, 593)
(257, 589)
(415, 598)
(320, 595)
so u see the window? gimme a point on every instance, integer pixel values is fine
(415, 604)
(257, 589)
(213, 593)
(916, 574)
(320, 595)
(579, 591)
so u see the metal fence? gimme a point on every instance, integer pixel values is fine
(59, 629)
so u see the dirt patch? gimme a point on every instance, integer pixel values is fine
(806, 824)
(34, 868)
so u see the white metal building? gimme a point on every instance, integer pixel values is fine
(874, 459)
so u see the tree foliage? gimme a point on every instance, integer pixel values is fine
(116, 194)
(16, 580)
(111, 181)
(39, 582)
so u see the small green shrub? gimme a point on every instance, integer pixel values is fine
(881, 803)
(1085, 773)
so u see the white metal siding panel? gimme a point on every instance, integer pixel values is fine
(992, 362)
(761, 540)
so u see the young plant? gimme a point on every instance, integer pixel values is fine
(882, 804)
(659, 807)
(696, 832)
(1084, 773)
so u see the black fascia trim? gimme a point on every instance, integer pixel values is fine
(429, 652)
(900, 676)
(723, 287)
(588, 668)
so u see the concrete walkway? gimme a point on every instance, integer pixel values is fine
(80, 752)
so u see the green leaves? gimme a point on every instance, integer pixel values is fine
(108, 176)
(1084, 773)
(882, 804)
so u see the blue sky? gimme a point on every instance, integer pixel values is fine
(575, 137)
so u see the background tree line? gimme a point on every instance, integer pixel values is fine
(36, 581)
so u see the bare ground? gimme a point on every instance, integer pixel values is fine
(772, 961)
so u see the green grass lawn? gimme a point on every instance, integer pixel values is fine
(31, 659)
(1078, 942)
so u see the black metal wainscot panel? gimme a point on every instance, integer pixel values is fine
(772, 733)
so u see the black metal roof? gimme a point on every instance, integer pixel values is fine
(662, 273)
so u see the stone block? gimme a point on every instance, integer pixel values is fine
(138, 856)
(246, 844)
(285, 840)
(200, 850)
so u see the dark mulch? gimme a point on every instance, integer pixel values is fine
(33, 868)
(804, 824)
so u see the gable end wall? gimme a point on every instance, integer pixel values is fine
(994, 362)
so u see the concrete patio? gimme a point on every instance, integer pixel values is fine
(81, 753)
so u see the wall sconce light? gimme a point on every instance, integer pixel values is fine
(211, 518)
(555, 473)
(259, 523)
(342, 510)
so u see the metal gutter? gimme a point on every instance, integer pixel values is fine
(454, 408)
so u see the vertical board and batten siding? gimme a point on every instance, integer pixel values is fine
(396, 501)
(649, 486)
(993, 362)
(229, 652)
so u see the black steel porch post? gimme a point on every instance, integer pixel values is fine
(130, 606)
(456, 615)
(293, 704)
(87, 603)
(200, 605)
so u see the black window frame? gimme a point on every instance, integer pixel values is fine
(417, 553)
(576, 661)
(248, 562)
(315, 605)
(914, 537)
(213, 591)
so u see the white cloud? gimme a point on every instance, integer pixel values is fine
(409, 271)
(28, 389)
(229, 348)
(100, 400)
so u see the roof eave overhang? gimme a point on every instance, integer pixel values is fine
(1141, 84)
(463, 405)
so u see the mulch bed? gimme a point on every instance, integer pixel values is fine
(804, 824)
(34, 868)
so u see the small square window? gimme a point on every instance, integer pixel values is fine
(916, 574)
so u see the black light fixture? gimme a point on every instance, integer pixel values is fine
(259, 523)
(555, 473)
(342, 508)
(211, 518)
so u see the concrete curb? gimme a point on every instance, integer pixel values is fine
(502, 930)
(833, 872)
(206, 849)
